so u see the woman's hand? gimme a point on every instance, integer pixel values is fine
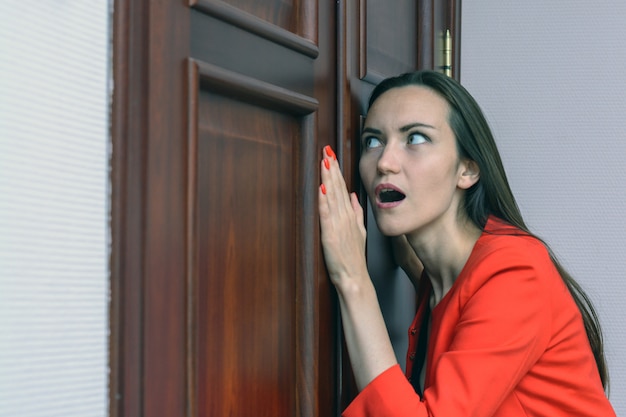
(343, 240)
(342, 228)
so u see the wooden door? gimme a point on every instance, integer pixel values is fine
(379, 39)
(220, 300)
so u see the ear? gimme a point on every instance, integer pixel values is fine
(469, 174)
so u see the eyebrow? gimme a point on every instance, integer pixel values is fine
(404, 128)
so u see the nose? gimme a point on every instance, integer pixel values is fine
(389, 159)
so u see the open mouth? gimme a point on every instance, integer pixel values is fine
(389, 195)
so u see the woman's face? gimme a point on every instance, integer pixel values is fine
(410, 165)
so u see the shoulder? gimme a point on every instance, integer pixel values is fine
(509, 262)
(510, 250)
(504, 246)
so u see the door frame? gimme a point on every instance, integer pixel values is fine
(145, 226)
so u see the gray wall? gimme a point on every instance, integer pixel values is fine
(550, 76)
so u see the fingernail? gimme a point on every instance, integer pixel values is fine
(329, 152)
(326, 163)
(323, 189)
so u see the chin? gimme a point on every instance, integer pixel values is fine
(390, 224)
(390, 230)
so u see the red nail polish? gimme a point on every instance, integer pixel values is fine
(329, 151)
(323, 189)
(326, 163)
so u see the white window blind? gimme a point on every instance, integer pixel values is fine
(54, 208)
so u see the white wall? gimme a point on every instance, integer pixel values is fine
(550, 76)
(54, 207)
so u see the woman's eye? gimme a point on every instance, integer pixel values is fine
(371, 142)
(416, 139)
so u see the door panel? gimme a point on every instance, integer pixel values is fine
(264, 59)
(250, 287)
(388, 38)
(293, 25)
(246, 259)
(297, 16)
(281, 13)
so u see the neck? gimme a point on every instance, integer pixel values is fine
(444, 254)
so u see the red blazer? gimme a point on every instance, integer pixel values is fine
(507, 340)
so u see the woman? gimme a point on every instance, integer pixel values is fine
(500, 329)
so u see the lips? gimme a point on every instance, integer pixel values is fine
(388, 195)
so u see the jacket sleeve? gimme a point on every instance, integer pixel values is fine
(389, 394)
(502, 328)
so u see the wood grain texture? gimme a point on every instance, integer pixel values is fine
(246, 260)
(251, 291)
(128, 162)
(291, 25)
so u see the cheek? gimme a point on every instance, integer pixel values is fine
(436, 175)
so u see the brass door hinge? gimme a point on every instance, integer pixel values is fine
(446, 68)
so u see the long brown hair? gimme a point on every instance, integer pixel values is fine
(492, 195)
